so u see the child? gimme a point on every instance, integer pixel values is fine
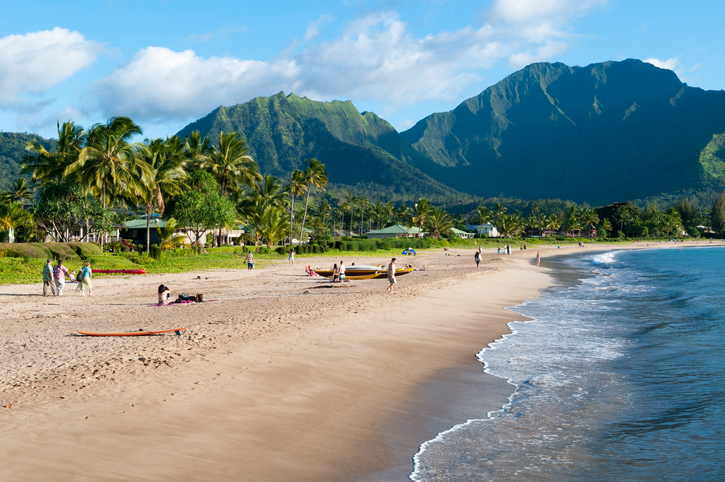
(164, 295)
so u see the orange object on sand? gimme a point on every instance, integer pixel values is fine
(132, 333)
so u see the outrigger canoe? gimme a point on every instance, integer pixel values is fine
(132, 333)
(364, 272)
(119, 271)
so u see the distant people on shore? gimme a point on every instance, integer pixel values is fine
(538, 258)
(59, 274)
(342, 271)
(477, 258)
(292, 257)
(164, 295)
(48, 278)
(84, 281)
(250, 261)
(391, 275)
(335, 273)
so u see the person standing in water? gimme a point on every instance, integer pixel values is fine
(391, 275)
(48, 281)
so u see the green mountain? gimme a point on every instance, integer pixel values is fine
(605, 132)
(359, 150)
(12, 149)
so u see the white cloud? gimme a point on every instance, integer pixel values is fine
(159, 83)
(36, 61)
(313, 28)
(536, 11)
(669, 64)
(374, 58)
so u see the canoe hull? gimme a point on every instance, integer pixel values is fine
(133, 333)
(119, 271)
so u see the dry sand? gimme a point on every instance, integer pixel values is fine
(276, 380)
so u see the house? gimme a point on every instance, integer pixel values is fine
(135, 231)
(462, 234)
(488, 229)
(396, 231)
(343, 232)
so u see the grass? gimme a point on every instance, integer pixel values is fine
(29, 270)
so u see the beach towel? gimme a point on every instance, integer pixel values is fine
(180, 303)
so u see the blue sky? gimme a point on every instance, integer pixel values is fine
(165, 63)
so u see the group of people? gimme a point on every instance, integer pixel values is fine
(54, 278)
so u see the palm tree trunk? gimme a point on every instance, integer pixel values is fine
(148, 229)
(304, 218)
(291, 217)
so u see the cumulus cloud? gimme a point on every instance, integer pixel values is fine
(159, 83)
(36, 61)
(669, 64)
(376, 58)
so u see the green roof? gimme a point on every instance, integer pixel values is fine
(395, 229)
(141, 223)
(458, 231)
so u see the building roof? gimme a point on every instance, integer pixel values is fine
(141, 223)
(395, 229)
(458, 231)
(476, 226)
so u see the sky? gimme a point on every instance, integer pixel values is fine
(166, 63)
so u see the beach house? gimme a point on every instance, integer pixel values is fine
(395, 231)
(488, 229)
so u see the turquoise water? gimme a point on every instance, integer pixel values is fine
(620, 376)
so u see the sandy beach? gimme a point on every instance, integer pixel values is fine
(278, 379)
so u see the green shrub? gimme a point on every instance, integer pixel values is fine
(155, 251)
(316, 249)
(281, 250)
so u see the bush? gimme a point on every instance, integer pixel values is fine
(155, 251)
(281, 250)
(316, 249)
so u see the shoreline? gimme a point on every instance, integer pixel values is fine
(277, 381)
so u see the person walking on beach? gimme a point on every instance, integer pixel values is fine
(477, 257)
(250, 261)
(342, 271)
(292, 257)
(48, 281)
(391, 275)
(538, 258)
(59, 274)
(85, 280)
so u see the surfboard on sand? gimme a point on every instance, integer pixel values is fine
(132, 333)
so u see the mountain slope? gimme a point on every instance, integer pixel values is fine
(12, 150)
(605, 132)
(356, 148)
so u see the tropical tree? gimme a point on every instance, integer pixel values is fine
(13, 216)
(230, 163)
(51, 166)
(588, 218)
(553, 223)
(168, 238)
(438, 222)
(421, 211)
(717, 214)
(196, 151)
(484, 215)
(107, 160)
(274, 226)
(270, 189)
(363, 202)
(295, 187)
(166, 177)
(314, 175)
(19, 192)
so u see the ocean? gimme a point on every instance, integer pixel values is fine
(619, 376)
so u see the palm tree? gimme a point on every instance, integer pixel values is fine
(196, 150)
(553, 222)
(438, 222)
(500, 209)
(107, 161)
(363, 205)
(272, 227)
(420, 213)
(270, 189)
(168, 238)
(229, 161)
(13, 216)
(325, 210)
(19, 192)
(166, 159)
(351, 200)
(295, 187)
(51, 166)
(314, 175)
(484, 214)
